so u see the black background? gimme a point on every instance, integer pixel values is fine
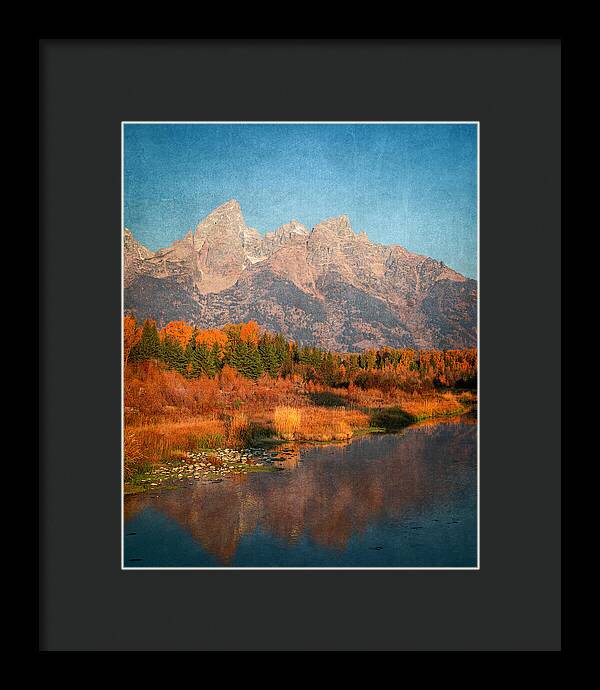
(86, 89)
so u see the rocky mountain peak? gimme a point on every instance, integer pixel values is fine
(287, 233)
(226, 218)
(133, 248)
(294, 227)
(287, 230)
(231, 207)
(135, 255)
(330, 286)
(337, 227)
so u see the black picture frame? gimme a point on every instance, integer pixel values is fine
(86, 89)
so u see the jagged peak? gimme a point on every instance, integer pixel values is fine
(229, 208)
(293, 227)
(231, 204)
(344, 279)
(227, 216)
(132, 247)
(129, 238)
(298, 227)
(335, 225)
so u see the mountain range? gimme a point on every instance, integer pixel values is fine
(327, 286)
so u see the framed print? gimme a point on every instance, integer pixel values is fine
(296, 341)
(304, 397)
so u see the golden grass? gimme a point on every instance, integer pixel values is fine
(311, 423)
(133, 451)
(431, 405)
(286, 421)
(162, 441)
(165, 440)
(238, 433)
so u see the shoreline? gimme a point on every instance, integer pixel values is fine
(217, 464)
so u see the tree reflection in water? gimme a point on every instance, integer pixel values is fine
(328, 494)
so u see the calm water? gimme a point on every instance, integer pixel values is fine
(392, 500)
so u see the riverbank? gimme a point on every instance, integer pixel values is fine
(405, 499)
(166, 452)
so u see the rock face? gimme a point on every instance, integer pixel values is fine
(329, 287)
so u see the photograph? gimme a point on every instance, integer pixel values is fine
(273, 251)
(300, 345)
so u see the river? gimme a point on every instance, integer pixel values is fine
(384, 500)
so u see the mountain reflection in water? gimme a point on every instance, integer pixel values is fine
(391, 500)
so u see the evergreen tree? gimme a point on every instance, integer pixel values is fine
(174, 355)
(199, 361)
(328, 370)
(252, 365)
(190, 351)
(214, 360)
(307, 355)
(271, 359)
(244, 357)
(235, 351)
(281, 350)
(204, 361)
(149, 346)
(293, 353)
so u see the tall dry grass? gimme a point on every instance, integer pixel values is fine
(239, 432)
(433, 405)
(286, 421)
(170, 440)
(166, 440)
(312, 423)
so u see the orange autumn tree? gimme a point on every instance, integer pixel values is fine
(180, 331)
(250, 350)
(210, 337)
(132, 334)
(250, 332)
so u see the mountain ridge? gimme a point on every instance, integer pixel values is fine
(327, 286)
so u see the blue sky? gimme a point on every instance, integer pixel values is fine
(413, 185)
